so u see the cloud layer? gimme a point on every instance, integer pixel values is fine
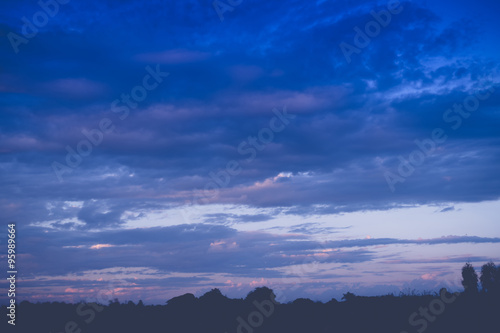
(215, 131)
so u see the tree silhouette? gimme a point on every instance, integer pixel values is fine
(213, 295)
(497, 280)
(348, 297)
(214, 312)
(259, 294)
(488, 277)
(469, 279)
(182, 301)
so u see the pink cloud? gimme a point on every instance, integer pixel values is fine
(429, 276)
(222, 245)
(261, 282)
(100, 246)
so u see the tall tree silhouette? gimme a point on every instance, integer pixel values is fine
(469, 279)
(489, 274)
(497, 280)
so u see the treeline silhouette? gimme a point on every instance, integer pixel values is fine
(473, 310)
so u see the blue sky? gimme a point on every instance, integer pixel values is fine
(162, 145)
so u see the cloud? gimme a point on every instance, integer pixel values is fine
(75, 88)
(314, 229)
(100, 246)
(447, 209)
(201, 248)
(235, 218)
(391, 241)
(177, 56)
(353, 123)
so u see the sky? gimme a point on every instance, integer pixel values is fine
(151, 149)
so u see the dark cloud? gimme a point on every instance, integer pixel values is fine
(183, 248)
(353, 123)
(447, 209)
(198, 248)
(314, 228)
(389, 241)
(236, 218)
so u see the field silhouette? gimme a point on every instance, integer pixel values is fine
(472, 310)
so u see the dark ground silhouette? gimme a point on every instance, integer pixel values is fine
(214, 312)
(469, 311)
